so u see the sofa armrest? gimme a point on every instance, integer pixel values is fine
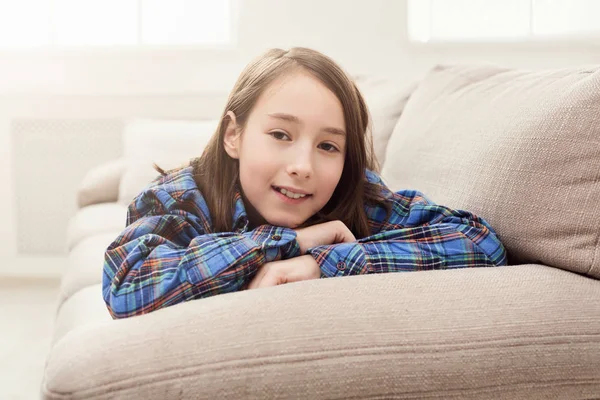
(101, 183)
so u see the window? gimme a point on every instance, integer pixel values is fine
(68, 23)
(486, 20)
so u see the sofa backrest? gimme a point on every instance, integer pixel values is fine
(168, 143)
(518, 148)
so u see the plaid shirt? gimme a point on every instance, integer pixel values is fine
(168, 253)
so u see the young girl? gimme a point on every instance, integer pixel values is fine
(285, 191)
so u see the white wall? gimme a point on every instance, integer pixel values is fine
(365, 36)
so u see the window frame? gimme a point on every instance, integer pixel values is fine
(139, 49)
(558, 41)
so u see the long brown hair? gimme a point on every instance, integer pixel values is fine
(217, 174)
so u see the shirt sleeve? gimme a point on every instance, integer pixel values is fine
(164, 256)
(417, 235)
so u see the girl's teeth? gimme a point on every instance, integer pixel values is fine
(290, 194)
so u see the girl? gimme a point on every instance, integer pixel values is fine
(281, 194)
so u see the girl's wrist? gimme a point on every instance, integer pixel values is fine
(308, 258)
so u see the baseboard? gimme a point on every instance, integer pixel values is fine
(47, 267)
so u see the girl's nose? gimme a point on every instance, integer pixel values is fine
(301, 166)
(301, 171)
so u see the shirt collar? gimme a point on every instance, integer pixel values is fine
(240, 218)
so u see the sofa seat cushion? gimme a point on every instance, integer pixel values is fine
(518, 332)
(518, 148)
(94, 219)
(83, 308)
(84, 264)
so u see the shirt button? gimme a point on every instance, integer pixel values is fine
(341, 265)
(276, 237)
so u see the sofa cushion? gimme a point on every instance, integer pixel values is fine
(168, 143)
(101, 184)
(84, 308)
(519, 148)
(95, 219)
(515, 332)
(386, 98)
(84, 264)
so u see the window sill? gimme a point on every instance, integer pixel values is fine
(562, 43)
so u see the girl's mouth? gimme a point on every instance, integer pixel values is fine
(290, 197)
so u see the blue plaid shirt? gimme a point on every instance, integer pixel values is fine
(168, 252)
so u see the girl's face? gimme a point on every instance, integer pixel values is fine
(291, 152)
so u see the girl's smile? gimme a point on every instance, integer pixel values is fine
(291, 197)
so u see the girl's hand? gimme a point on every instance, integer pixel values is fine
(331, 232)
(295, 269)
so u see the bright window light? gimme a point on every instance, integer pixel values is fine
(555, 18)
(93, 23)
(485, 20)
(185, 21)
(19, 27)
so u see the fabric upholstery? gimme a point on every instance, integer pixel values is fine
(386, 99)
(84, 264)
(95, 219)
(81, 309)
(101, 184)
(518, 148)
(168, 143)
(517, 332)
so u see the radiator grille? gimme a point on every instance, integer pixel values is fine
(50, 157)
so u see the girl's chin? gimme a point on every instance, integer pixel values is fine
(283, 223)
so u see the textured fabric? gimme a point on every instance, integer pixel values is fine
(101, 184)
(95, 219)
(83, 308)
(385, 98)
(84, 264)
(168, 253)
(518, 332)
(518, 148)
(168, 143)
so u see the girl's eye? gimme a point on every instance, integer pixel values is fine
(279, 135)
(328, 147)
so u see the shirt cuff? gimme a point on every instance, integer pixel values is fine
(340, 259)
(277, 242)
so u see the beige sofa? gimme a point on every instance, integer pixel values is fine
(520, 148)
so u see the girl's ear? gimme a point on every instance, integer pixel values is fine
(231, 138)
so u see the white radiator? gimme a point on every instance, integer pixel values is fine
(49, 159)
(54, 140)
